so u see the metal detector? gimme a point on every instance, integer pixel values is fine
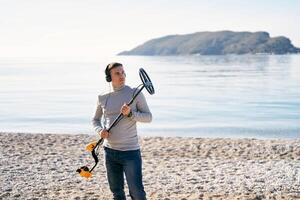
(93, 147)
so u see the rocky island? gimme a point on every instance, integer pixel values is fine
(215, 43)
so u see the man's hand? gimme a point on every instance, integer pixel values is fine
(125, 110)
(104, 133)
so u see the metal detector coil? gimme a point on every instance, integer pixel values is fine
(146, 81)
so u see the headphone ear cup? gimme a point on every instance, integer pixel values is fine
(107, 73)
(108, 78)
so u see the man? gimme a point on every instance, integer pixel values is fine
(121, 147)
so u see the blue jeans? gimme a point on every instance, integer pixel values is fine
(128, 162)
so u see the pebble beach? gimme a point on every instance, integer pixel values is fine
(43, 166)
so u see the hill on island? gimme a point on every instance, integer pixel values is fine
(215, 43)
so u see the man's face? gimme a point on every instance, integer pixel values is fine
(118, 76)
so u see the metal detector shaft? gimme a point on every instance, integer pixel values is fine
(120, 116)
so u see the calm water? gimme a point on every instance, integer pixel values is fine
(202, 96)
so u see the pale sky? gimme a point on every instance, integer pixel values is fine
(96, 28)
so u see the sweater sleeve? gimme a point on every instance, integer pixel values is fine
(143, 113)
(96, 121)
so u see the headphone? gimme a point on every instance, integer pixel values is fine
(107, 73)
(110, 67)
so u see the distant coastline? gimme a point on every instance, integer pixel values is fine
(215, 43)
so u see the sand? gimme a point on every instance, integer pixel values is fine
(43, 166)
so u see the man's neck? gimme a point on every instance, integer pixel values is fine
(117, 88)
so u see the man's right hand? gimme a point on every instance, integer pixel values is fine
(104, 133)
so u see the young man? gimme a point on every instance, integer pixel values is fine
(121, 147)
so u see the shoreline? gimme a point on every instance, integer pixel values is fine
(226, 137)
(43, 166)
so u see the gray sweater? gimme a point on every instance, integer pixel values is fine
(123, 136)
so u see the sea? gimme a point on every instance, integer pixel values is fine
(231, 96)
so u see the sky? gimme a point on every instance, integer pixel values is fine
(97, 28)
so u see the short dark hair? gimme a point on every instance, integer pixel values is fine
(111, 66)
